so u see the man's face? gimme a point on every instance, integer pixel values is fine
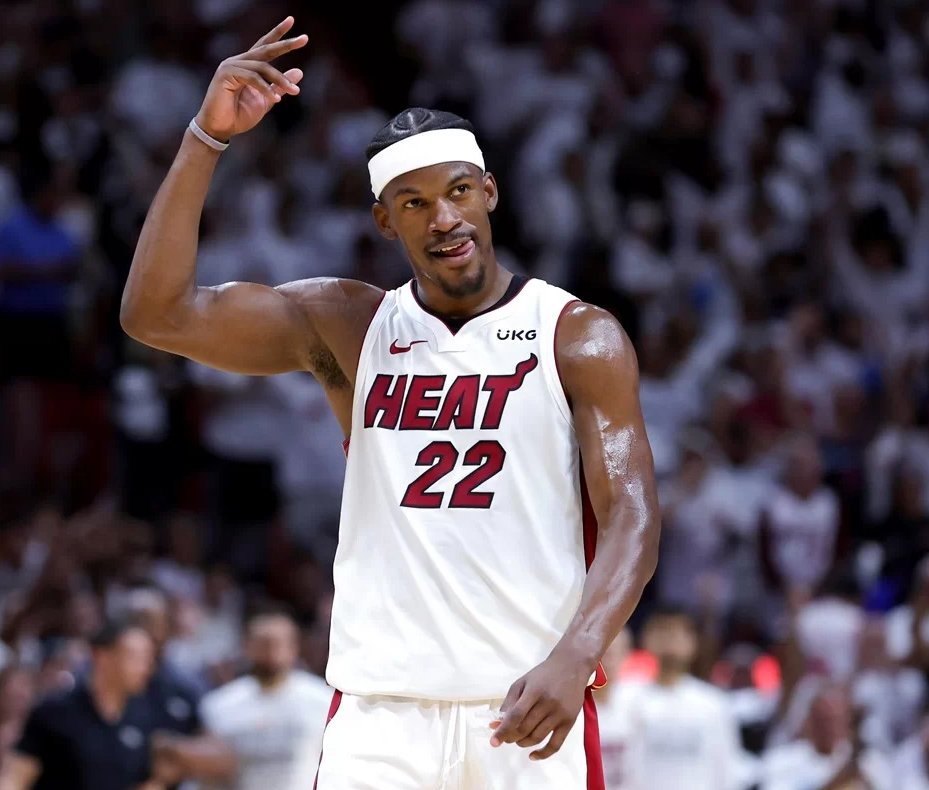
(442, 206)
(273, 646)
(131, 659)
(830, 720)
(672, 640)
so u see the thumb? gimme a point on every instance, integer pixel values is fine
(513, 695)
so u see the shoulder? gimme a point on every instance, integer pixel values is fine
(590, 343)
(230, 694)
(56, 709)
(706, 694)
(309, 686)
(173, 681)
(586, 331)
(629, 692)
(334, 295)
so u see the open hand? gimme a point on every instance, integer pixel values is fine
(543, 702)
(246, 86)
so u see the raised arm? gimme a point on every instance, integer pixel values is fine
(599, 372)
(239, 327)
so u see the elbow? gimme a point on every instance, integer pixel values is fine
(134, 319)
(144, 324)
(130, 319)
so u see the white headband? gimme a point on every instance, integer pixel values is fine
(434, 147)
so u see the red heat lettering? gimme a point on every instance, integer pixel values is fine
(460, 404)
(382, 400)
(418, 401)
(500, 388)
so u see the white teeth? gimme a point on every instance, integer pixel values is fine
(453, 247)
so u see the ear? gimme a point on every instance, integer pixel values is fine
(490, 191)
(382, 220)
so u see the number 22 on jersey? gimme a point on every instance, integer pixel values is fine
(422, 403)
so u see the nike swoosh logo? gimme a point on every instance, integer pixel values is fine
(395, 349)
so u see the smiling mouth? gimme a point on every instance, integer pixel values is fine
(454, 251)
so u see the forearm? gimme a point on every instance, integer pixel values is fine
(626, 556)
(162, 280)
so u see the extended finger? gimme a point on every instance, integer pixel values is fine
(294, 75)
(277, 48)
(276, 33)
(554, 744)
(270, 74)
(512, 695)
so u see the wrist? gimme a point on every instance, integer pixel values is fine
(220, 135)
(580, 651)
(208, 136)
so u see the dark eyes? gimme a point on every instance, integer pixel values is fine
(459, 190)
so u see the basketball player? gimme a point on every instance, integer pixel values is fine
(466, 619)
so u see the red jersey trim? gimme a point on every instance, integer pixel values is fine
(333, 709)
(595, 778)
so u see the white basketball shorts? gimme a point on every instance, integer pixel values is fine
(387, 743)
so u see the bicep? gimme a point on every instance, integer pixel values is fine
(600, 374)
(238, 327)
(246, 328)
(19, 772)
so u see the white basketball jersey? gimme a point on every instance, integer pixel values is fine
(461, 555)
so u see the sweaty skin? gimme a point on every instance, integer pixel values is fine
(319, 325)
(599, 372)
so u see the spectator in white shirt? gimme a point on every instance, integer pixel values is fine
(614, 723)
(831, 756)
(273, 717)
(911, 767)
(800, 524)
(680, 730)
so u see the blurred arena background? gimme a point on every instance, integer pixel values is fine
(742, 182)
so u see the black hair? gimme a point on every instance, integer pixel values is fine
(668, 611)
(413, 121)
(112, 630)
(269, 608)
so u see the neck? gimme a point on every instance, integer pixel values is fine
(270, 683)
(109, 699)
(668, 677)
(496, 281)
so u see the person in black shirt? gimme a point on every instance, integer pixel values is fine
(181, 750)
(174, 697)
(97, 735)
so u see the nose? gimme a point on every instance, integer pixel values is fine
(444, 219)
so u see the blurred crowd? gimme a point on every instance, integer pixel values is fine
(742, 182)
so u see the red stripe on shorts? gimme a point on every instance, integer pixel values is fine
(333, 709)
(595, 780)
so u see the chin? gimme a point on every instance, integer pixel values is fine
(459, 283)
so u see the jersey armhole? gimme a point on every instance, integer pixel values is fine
(550, 350)
(388, 300)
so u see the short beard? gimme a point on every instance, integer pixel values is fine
(673, 665)
(466, 287)
(265, 674)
